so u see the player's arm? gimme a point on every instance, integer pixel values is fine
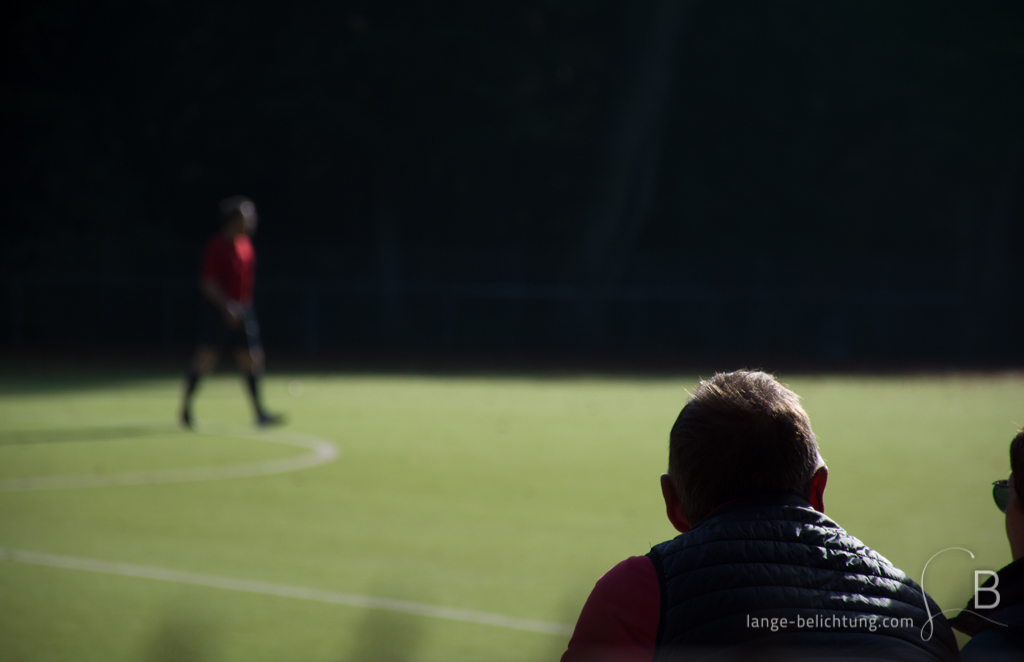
(214, 293)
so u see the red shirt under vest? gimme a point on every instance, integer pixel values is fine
(231, 263)
(620, 619)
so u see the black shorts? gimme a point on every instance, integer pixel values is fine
(215, 333)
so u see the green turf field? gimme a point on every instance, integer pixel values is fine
(506, 496)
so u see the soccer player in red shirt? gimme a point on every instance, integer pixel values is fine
(228, 319)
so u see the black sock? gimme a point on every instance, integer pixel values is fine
(254, 391)
(191, 379)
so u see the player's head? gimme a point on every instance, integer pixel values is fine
(742, 433)
(238, 213)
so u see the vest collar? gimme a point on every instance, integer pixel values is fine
(754, 501)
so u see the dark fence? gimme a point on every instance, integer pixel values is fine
(322, 315)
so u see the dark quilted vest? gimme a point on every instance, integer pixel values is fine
(776, 557)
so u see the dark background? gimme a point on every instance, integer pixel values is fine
(837, 181)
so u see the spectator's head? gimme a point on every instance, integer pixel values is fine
(1015, 507)
(238, 214)
(742, 433)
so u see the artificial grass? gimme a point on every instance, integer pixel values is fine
(509, 495)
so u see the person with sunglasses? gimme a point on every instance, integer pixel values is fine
(996, 625)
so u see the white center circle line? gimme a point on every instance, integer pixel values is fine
(322, 452)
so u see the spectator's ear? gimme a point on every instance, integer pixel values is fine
(816, 491)
(673, 506)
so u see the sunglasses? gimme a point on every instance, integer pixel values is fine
(1001, 494)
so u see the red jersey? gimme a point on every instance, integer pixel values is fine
(231, 263)
(620, 619)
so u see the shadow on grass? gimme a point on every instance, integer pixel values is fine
(69, 435)
(387, 636)
(183, 637)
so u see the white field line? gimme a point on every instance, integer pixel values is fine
(323, 451)
(282, 590)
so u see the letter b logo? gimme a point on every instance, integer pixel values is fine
(978, 589)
